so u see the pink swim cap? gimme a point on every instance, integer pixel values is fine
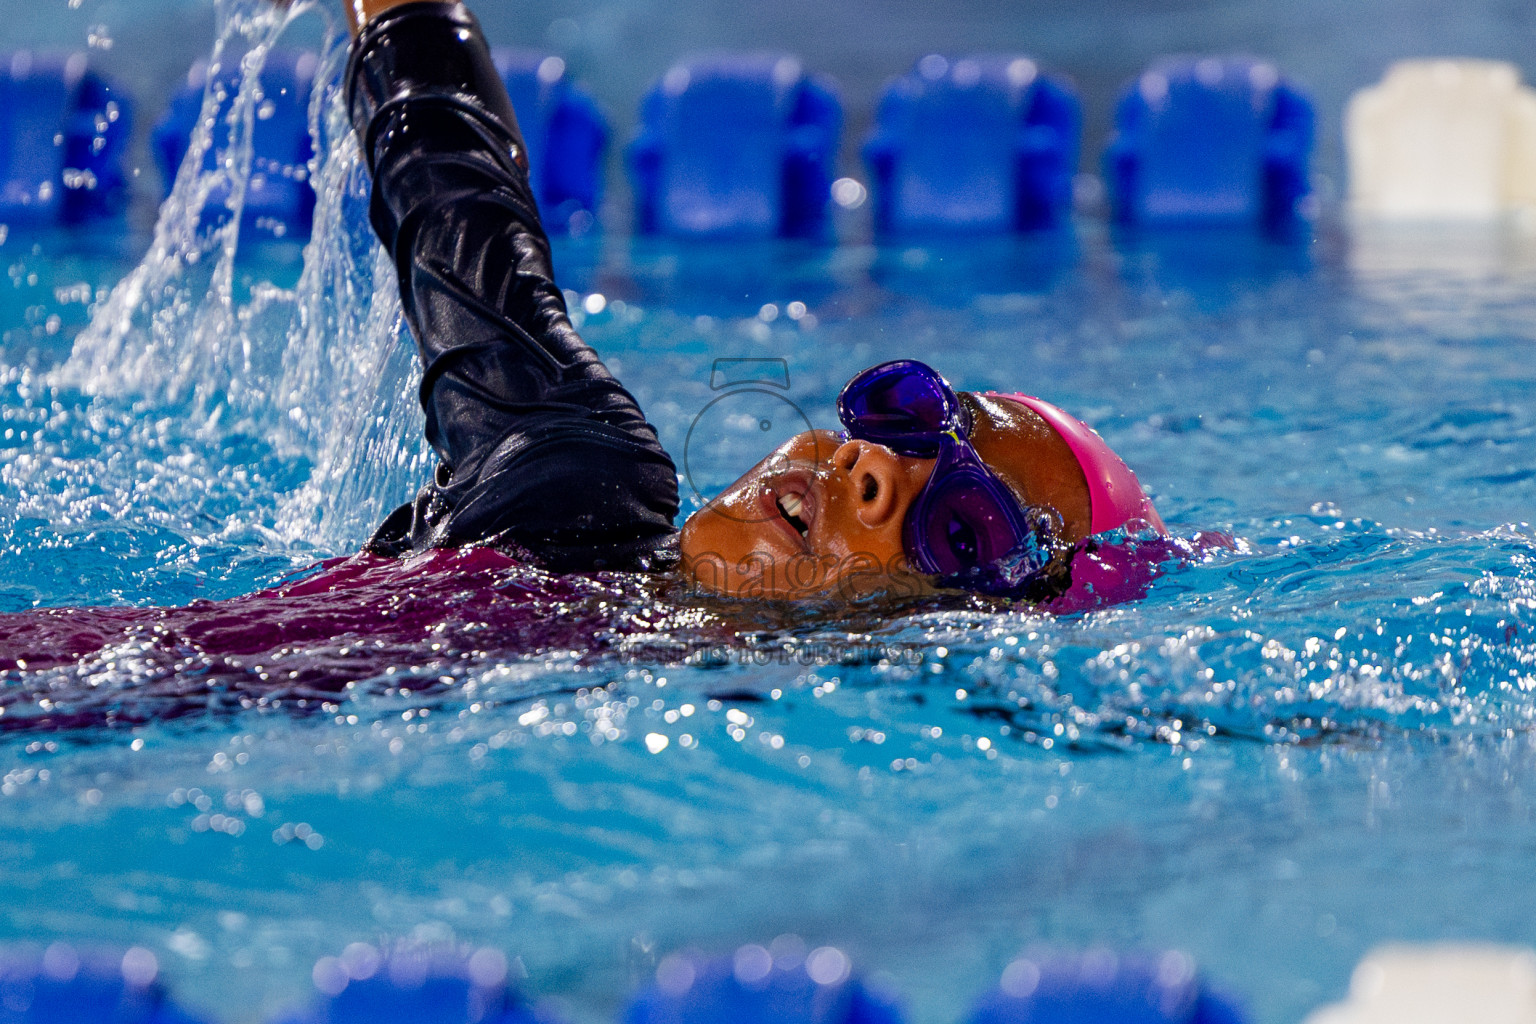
(1115, 496)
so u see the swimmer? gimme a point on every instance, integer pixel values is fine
(547, 470)
(542, 452)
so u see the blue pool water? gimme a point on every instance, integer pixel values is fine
(1281, 757)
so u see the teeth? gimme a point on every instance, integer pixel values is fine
(791, 503)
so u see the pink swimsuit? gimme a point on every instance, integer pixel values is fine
(1114, 494)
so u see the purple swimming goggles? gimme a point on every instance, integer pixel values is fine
(965, 526)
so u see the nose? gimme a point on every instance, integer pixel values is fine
(871, 472)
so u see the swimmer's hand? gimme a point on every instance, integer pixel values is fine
(360, 11)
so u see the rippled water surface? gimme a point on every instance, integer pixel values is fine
(1282, 756)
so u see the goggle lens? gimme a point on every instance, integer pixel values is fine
(965, 525)
(960, 526)
(904, 405)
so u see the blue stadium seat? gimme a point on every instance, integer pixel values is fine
(980, 144)
(566, 136)
(755, 988)
(1101, 988)
(62, 986)
(63, 129)
(416, 986)
(1212, 140)
(279, 198)
(736, 146)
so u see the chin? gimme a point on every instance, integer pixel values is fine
(728, 555)
(723, 557)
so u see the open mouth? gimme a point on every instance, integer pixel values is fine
(791, 499)
(790, 507)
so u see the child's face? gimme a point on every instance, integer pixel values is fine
(820, 516)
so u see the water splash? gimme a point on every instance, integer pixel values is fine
(321, 372)
(171, 328)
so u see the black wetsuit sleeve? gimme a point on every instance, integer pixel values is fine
(539, 447)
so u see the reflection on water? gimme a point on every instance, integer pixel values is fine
(1212, 268)
(1470, 249)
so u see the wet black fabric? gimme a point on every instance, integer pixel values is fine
(540, 449)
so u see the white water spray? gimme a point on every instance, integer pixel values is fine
(322, 370)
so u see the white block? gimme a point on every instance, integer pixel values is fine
(1446, 984)
(1442, 139)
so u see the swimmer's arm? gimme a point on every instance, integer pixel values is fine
(359, 12)
(536, 438)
